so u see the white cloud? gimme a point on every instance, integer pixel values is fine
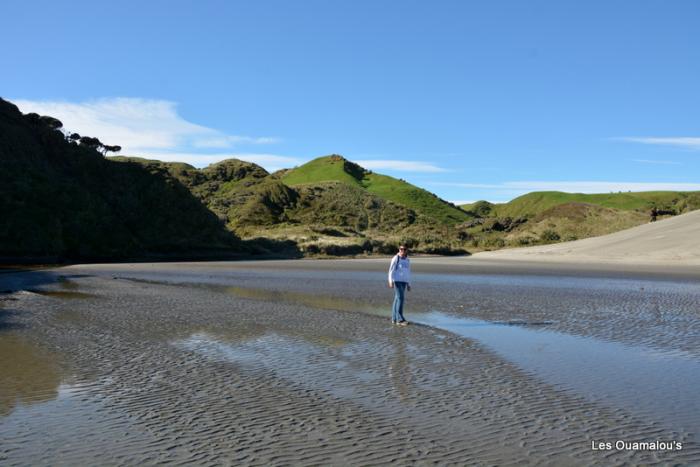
(648, 161)
(469, 185)
(490, 199)
(227, 141)
(399, 165)
(688, 142)
(145, 127)
(270, 162)
(578, 186)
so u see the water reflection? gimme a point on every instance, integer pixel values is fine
(67, 284)
(27, 374)
(312, 300)
(659, 383)
(399, 369)
(319, 363)
(65, 294)
(68, 289)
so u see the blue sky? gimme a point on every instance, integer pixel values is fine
(471, 100)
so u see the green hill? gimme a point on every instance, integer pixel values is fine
(335, 213)
(535, 203)
(552, 216)
(572, 221)
(246, 197)
(223, 187)
(337, 168)
(333, 205)
(61, 199)
(479, 208)
(325, 169)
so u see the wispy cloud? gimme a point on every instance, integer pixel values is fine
(228, 141)
(144, 127)
(271, 162)
(648, 161)
(399, 165)
(576, 186)
(687, 142)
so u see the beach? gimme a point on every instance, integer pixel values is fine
(296, 362)
(666, 245)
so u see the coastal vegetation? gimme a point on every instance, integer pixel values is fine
(332, 206)
(62, 199)
(330, 212)
(553, 216)
(535, 203)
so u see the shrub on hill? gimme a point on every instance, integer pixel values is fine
(61, 199)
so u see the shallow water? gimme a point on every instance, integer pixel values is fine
(29, 374)
(271, 351)
(653, 382)
(283, 365)
(657, 383)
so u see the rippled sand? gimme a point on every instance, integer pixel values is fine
(296, 362)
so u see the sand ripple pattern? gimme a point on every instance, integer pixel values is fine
(147, 373)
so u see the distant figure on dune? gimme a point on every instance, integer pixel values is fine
(399, 280)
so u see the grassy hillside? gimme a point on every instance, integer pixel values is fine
(224, 187)
(325, 169)
(326, 216)
(331, 205)
(479, 208)
(246, 197)
(62, 200)
(572, 221)
(547, 217)
(337, 168)
(535, 203)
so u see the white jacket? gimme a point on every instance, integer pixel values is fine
(400, 269)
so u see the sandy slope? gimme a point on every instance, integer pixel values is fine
(673, 241)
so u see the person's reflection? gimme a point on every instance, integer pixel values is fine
(399, 367)
(26, 375)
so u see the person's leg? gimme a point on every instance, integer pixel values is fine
(396, 304)
(400, 293)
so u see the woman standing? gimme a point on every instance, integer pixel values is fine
(399, 280)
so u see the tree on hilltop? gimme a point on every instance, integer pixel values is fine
(96, 144)
(53, 123)
(114, 148)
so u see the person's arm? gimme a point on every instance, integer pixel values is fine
(408, 284)
(392, 267)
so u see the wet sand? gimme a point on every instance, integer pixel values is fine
(295, 362)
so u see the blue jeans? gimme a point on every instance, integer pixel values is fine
(399, 294)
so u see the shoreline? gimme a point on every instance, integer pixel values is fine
(467, 265)
(438, 265)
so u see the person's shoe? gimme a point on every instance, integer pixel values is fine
(393, 322)
(403, 323)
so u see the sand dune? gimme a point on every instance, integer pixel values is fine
(673, 241)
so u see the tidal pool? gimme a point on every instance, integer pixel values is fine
(281, 363)
(653, 382)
